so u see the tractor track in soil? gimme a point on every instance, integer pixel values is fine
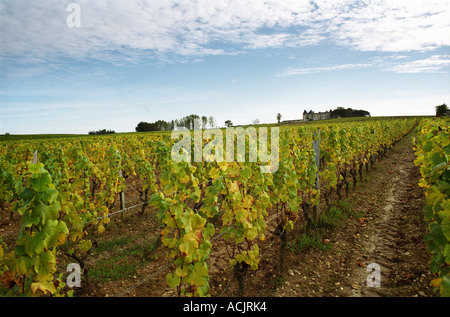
(386, 226)
(396, 241)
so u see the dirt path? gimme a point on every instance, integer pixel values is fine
(385, 227)
(395, 236)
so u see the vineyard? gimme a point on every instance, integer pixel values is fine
(433, 150)
(60, 197)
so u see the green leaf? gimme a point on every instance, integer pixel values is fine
(446, 228)
(45, 265)
(154, 198)
(49, 195)
(53, 210)
(33, 244)
(436, 262)
(26, 194)
(447, 253)
(428, 212)
(56, 232)
(39, 213)
(36, 168)
(443, 186)
(172, 280)
(436, 158)
(445, 287)
(199, 275)
(252, 233)
(187, 247)
(85, 245)
(196, 194)
(15, 265)
(164, 205)
(197, 221)
(246, 172)
(437, 234)
(41, 183)
(208, 231)
(241, 257)
(27, 221)
(182, 271)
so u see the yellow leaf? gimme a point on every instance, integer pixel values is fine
(194, 181)
(190, 237)
(247, 201)
(181, 272)
(43, 287)
(423, 183)
(436, 282)
(185, 179)
(234, 187)
(101, 228)
(214, 173)
(183, 197)
(165, 231)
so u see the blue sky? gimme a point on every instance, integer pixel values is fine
(131, 61)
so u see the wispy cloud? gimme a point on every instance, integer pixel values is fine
(433, 64)
(393, 26)
(395, 63)
(314, 70)
(130, 30)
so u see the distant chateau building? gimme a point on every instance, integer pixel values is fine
(313, 116)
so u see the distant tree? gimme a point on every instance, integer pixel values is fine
(347, 113)
(190, 121)
(256, 121)
(360, 113)
(104, 131)
(228, 123)
(195, 121)
(338, 112)
(212, 122)
(278, 117)
(441, 110)
(146, 127)
(204, 122)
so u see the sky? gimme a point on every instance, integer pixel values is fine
(80, 66)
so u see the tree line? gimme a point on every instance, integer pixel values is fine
(104, 131)
(205, 122)
(348, 113)
(188, 122)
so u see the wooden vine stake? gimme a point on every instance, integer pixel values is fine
(121, 194)
(35, 157)
(316, 147)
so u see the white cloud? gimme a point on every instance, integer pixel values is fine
(395, 26)
(433, 64)
(313, 70)
(126, 30)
